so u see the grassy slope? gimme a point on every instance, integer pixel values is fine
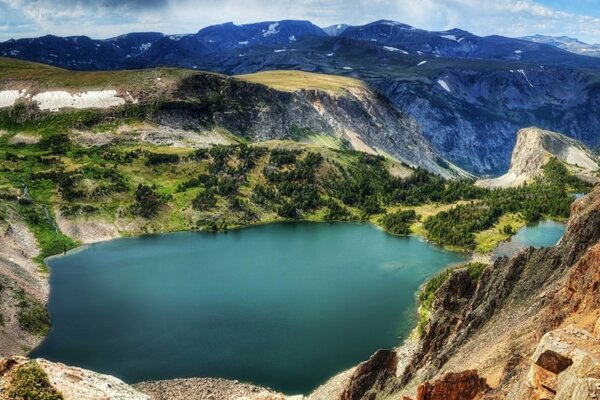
(291, 81)
(168, 177)
(16, 74)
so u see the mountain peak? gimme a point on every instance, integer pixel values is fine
(532, 151)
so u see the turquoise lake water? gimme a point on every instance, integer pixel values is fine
(541, 234)
(282, 305)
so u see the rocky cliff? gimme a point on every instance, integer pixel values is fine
(534, 148)
(195, 107)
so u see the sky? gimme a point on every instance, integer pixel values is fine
(107, 18)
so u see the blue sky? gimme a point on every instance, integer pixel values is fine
(107, 18)
(584, 7)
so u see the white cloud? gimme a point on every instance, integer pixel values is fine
(103, 18)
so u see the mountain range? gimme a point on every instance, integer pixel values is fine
(567, 43)
(469, 94)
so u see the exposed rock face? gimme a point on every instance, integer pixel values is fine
(205, 389)
(533, 150)
(367, 120)
(465, 385)
(491, 324)
(565, 365)
(18, 272)
(73, 383)
(370, 377)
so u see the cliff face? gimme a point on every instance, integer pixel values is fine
(22, 286)
(366, 120)
(204, 108)
(533, 150)
(528, 324)
(528, 328)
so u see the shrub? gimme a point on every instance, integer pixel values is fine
(30, 382)
(147, 202)
(32, 315)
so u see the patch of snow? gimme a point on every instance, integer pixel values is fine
(518, 51)
(347, 68)
(8, 98)
(330, 54)
(444, 85)
(243, 43)
(15, 52)
(292, 38)
(522, 72)
(55, 100)
(449, 37)
(421, 63)
(279, 51)
(388, 48)
(145, 46)
(272, 30)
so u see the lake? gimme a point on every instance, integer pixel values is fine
(541, 234)
(281, 305)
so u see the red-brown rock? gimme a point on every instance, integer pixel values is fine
(466, 385)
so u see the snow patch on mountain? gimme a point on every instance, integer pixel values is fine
(522, 72)
(272, 29)
(444, 85)
(55, 100)
(389, 48)
(450, 37)
(8, 98)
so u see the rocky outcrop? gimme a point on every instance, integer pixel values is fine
(371, 377)
(466, 385)
(533, 150)
(491, 325)
(565, 365)
(206, 389)
(202, 103)
(18, 274)
(367, 120)
(71, 383)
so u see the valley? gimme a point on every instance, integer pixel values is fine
(250, 211)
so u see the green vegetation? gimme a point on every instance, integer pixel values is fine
(399, 222)
(549, 197)
(428, 292)
(32, 315)
(156, 189)
(30, 382)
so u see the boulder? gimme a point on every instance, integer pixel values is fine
(466, 385)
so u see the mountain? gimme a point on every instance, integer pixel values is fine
(468, 94)
(457, 43)
(533, 150)
(265, 106)
(152, 49)
(336, 30)
(567, 43)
